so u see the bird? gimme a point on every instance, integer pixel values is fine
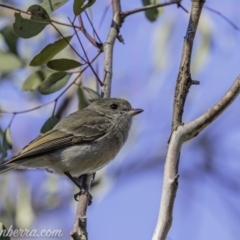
(82, 143)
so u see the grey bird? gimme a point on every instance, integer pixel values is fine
(82, 143)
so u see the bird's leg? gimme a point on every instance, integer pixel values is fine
(74, 180)
(84, 190)
(80, 184)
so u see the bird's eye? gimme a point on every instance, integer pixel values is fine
(114, 106)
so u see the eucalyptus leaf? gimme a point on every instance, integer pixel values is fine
(27, 28)
(52, 5)
(50, 51)
(49, 124)
(7, 140)
(82, 103)
(54, 82)
(9, 62)
(92, 94)
(63, 64)
(1, 147)
(152, 14)
(78, 6)
(35, 79)
(10, 39)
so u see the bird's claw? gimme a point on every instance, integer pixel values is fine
(86, 193)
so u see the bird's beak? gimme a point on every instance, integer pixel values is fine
(134, 112)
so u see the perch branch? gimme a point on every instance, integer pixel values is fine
(80, 224)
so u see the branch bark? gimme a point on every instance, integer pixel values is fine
(184, 132)
(184, 80)
(108, 48)
(180, 135)
(80, 224)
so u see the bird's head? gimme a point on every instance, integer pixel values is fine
(115, 107)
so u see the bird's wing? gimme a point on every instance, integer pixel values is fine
(55, 139)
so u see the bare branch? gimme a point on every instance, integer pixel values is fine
(80, 224)
(152, 6)
(184, 80)
(85, 53)
(196, 126)
(178, 136)
(108, 48)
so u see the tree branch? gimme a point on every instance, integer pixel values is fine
(152, 6)
(184, 80)
(80, 224)
(180, 135)
(108, 48)
(196, 126)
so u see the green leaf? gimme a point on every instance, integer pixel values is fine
(1, 147)
(10, 39)
(49, 124)
(54, 82)
(63, 64)
(7, 140)
(50, 51)
(9, 62)
(92, 94)
(27, 28)
(78, 6)
(34, 80)
(152, 14)
(52, 5)
(3, 233)
(82, 99)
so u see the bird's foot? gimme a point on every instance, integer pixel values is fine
(86, 193)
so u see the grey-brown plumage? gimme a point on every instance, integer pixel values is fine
(82, 143)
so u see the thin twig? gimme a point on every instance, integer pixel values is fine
(93, 28)
(224, 17)
(104, 14)
(87, 35)
(152, 6)
(25, 111)
(196, 126)
(28, 13)
(88, 62)
(70, 45)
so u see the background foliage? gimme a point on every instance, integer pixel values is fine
(126, 200)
